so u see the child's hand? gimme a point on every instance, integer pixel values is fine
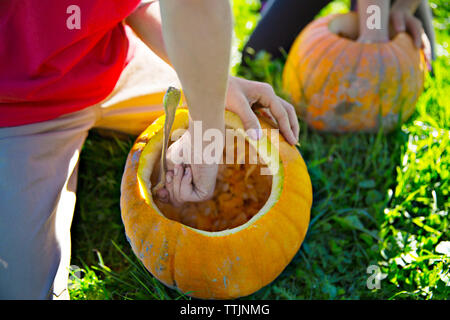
(403, 19)
(186, 180)
(242, 94)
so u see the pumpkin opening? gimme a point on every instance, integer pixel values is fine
(347, 26)
(241, 192)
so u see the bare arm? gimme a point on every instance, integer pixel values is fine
(146, 23)
(197, 34)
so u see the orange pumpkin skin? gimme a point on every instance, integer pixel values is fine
(215, 265)
(341, 85)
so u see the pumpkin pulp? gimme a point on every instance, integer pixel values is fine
(241, 191)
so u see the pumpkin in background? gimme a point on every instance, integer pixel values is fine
(233, 252)
(340, 85)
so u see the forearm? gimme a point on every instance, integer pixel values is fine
(368, 20)
(146, 23)
(197, 34)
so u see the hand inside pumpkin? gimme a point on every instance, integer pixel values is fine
(187, 181)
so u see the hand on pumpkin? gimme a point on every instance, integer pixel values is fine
(186, 180)
(403, 19)
(242, 94)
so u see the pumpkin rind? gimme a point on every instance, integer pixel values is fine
(340, 85)
(216, 265)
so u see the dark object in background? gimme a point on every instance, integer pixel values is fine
(282, 20)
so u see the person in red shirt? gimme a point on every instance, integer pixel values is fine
(69, 66)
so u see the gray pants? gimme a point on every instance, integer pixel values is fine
(38, 175)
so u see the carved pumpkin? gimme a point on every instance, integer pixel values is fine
(231, 245)
(341, 85)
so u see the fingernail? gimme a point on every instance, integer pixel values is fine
(254, 134)
(176, 170)
(294, 140)
(187, 172)
(169, 178)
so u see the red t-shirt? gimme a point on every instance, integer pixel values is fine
(59, 56)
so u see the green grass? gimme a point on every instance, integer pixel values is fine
(379, 200)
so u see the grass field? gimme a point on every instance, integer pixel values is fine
(379, 200)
